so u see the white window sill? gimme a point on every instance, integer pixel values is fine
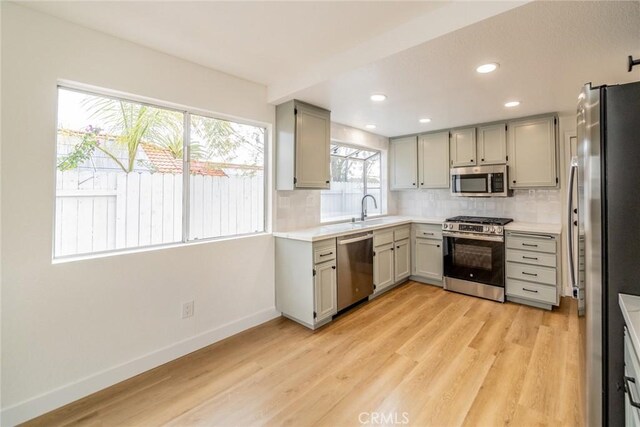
(152, 248)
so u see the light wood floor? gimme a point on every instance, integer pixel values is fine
(417, 353)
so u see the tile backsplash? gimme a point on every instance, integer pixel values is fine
(542, 206)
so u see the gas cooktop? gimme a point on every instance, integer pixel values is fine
(480, 220)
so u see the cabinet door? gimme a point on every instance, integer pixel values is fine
(428, 258)
(532, 153)
(402, 260)
(463, 147)
(313, 130)
(403, 164)
(383, 267)
(326, 296)
(433, 160)
(492, 144)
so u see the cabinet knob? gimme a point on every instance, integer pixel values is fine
(514, 181)
(413, 184)
(471, 160)
(327, 182)
(422, 183)
(482, 160)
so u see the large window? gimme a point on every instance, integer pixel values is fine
(354, 173)
(120, 181)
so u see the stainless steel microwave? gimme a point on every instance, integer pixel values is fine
(480, 181)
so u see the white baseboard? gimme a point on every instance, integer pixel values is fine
(68, 393)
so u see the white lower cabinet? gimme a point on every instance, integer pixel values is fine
(383, 275)
(306, 280)
(392, 257)
(402, 260)
(533, 269)
(427, 253)
(632, 379)
(428, 259)
(325, 289)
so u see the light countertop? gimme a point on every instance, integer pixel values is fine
(533, 227)
(335, 230)
(630, 306)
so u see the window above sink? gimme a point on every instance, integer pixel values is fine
(355, 171)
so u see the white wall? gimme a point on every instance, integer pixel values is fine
(300, 209)
(70, 329)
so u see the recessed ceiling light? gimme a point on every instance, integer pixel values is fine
(378, 97)
(370, 126)
(487, 68)
(425, 120)
(511, 104)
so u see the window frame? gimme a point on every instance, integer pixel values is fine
(186, 176)
(377, 152)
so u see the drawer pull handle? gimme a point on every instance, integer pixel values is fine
(530, 245)
(427, 234)
(327, 254)
(530, 290)
(627, 389)
(530, 257)
(530, 274)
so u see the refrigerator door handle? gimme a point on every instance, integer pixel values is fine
(572, 176)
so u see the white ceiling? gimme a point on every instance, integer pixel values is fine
(255, 40)
(421, 54)
(546, 51)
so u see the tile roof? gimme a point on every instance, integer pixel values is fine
(164, 162)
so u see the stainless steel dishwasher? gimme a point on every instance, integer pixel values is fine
(355, 268)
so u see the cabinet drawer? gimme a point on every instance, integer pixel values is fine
(324, 251)
(530, 273)
(547, 260)
(429, 231)
(533, 243)
(531, 291)
(401, 233)
(382, 237)
(631, 366)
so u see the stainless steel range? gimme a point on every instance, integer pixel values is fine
(474, 256)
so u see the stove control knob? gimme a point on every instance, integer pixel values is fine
(498, 229)
(492, 229)
(486, 228)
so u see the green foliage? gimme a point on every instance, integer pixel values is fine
(82, 152)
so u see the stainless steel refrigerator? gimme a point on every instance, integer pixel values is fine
(604, 238)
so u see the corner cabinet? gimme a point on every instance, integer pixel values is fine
(532, 152)
(433, 160)
(463, 147)
(403, 163)
(303, 135)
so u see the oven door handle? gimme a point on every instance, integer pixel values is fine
(473, 236)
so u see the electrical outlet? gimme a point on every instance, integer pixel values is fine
(187, 309)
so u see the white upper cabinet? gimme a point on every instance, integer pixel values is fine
(532, 153)
(433, 160)
(403, 163)
(463, 147)
(303, 134)
(492, 144)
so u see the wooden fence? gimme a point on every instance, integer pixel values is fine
(100, 211)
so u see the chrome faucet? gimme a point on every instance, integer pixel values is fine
(363, 214)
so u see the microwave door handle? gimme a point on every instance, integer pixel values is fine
(490, 183)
